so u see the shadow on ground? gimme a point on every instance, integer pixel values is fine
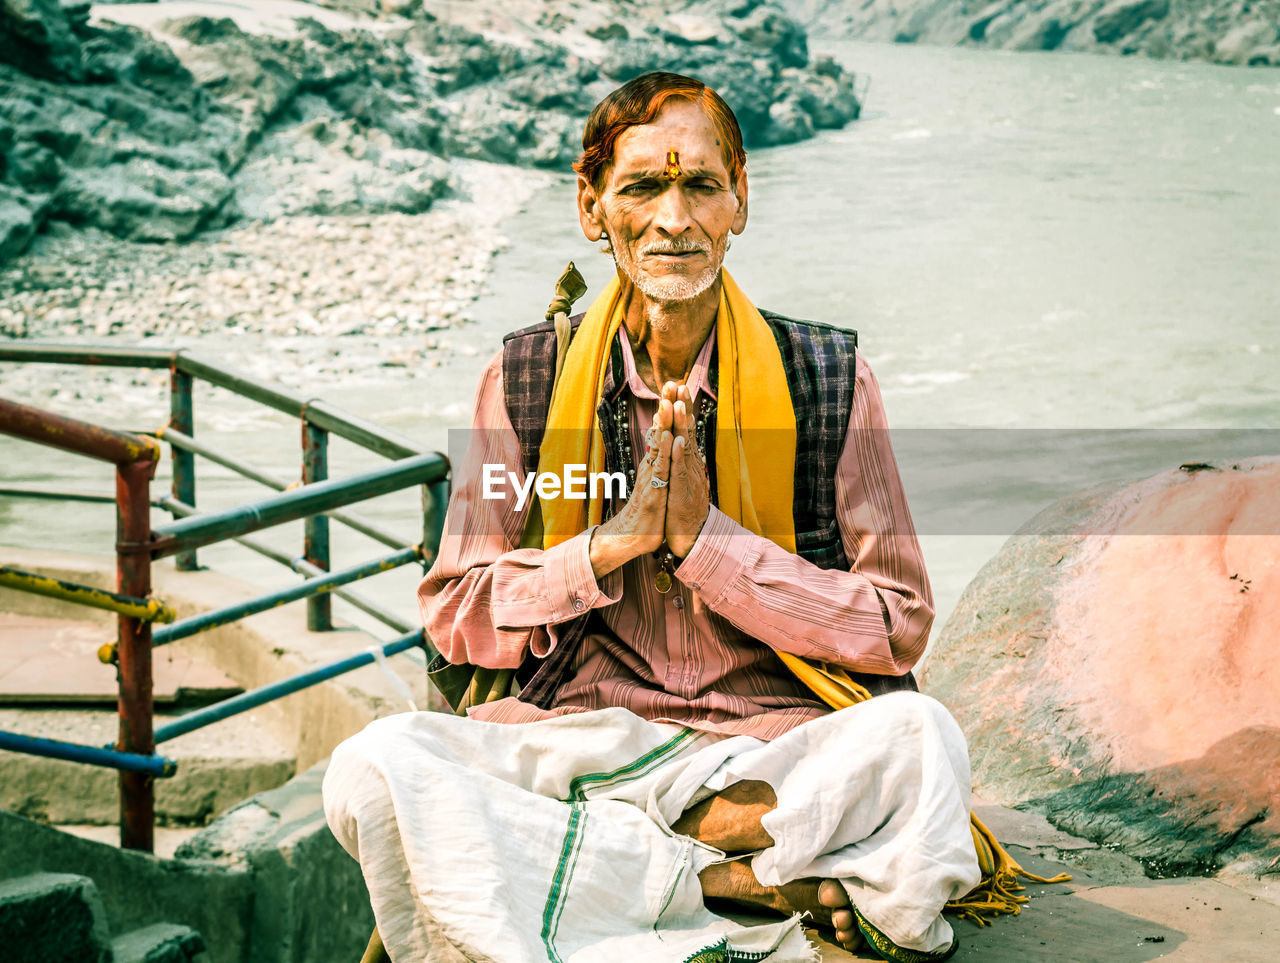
(1110, 911)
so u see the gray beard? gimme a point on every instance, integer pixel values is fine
(671, 289)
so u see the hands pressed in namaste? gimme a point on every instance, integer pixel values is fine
(688, 497)
(675, 508)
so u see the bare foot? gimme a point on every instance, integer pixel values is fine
(835, 900)
(735, 885)
(731, 821)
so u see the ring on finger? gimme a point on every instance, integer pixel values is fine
(658, 482)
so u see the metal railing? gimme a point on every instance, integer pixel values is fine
(316, 501)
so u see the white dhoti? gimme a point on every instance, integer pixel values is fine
(551, 840)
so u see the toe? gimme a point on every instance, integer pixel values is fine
(832, 894)
(842, 919)
(851, 940)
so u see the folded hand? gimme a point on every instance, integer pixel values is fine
(638, 527)
(689, 495)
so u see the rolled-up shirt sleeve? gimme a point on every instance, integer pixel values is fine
(873, 618)
(486, 601)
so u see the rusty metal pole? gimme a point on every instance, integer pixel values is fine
(182, 418)
(315, 468)
(133, 577)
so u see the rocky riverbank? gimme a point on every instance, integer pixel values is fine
(307, 299)
(316, 190)
(159, 121)
(1244, 32)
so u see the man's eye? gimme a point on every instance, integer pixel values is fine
(640, 187)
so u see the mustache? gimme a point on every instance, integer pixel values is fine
(675, 246)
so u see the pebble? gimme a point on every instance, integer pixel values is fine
(303, 300)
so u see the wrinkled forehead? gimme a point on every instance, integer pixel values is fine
(680, 126)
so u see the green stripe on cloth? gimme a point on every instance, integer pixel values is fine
(560, 882)
(594, 780)
(573, 835)
(722, 952)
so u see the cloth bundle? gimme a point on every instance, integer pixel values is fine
(551, 840)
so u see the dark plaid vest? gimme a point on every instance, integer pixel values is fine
(819, 364)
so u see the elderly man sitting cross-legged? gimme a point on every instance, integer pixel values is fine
(664, 759)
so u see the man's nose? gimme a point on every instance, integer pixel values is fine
(673, 215)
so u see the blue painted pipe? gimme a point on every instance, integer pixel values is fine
(315, 539)
(268, 693)
(324, 582)
(199, 530)
(156, 766)
(301, 566)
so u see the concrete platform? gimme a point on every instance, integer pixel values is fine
(168, 839)
(1110, 910)
(54, 660)
(217, 768)
(269, 882)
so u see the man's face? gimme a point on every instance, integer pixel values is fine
(669, 226)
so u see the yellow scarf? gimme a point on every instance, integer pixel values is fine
(755, 425)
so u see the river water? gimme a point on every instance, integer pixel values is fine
(1064, 269)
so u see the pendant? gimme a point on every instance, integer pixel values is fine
(662, 581)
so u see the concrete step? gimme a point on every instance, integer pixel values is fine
(167, 838)
(161, 943)
(53, 918)
(218, 767)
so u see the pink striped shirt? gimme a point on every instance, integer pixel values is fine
(703, 654)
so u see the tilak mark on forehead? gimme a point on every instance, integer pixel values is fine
(672, 170)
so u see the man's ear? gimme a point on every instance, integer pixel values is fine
(740, 218)
(589, 214)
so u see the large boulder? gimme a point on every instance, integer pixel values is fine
(37, 36)
(139, 149)
(768, 27)
(144, 198)
(1120, 18)
(1113, 667)
(20, 217)
(327, 165)
(1253, 43)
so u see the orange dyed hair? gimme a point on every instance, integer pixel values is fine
(638, 102)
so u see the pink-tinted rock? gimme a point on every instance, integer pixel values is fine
(1115, 666)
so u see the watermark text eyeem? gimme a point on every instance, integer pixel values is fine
(575, 484)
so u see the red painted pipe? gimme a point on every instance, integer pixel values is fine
(133, 577)
(135, 458)
(71, 434)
